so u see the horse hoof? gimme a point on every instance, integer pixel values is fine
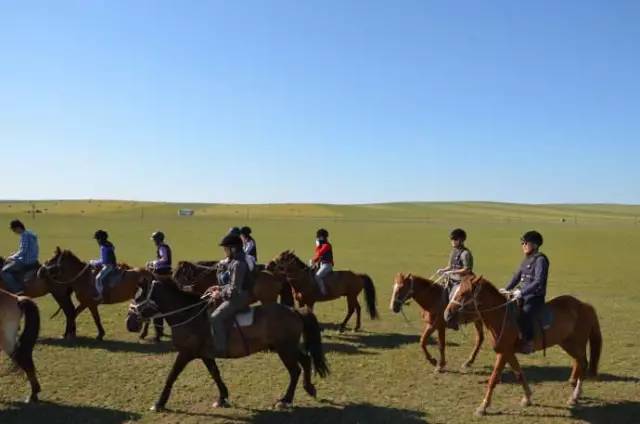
(221, 403)
(432, 361)
(439, 369)
(282, 405)
(157, 408)
(480, 412)
(572, 402)
(311, 390)
(31, 399)
(100, 337)
(525, 402)
(341, 330)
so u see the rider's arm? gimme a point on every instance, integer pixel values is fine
(320, 252)
(541, 272)
(238, 271)
(514, 280)
(467, 263)
(164, 257)
(22, 247)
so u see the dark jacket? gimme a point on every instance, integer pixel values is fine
(234, 277)
(532, 276)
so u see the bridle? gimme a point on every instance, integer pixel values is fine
(58, 265)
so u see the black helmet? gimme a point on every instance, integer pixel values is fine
(245, 231)
(100, 235)
(458, 234)
(231, 240)
(322, 233)
(532, 237)
(235, 231)
(157, 236)
(16, 223)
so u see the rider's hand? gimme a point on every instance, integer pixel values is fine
(504, 291)
(517, 294)
(441, 270)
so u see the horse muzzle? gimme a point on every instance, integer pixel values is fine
(134, 322)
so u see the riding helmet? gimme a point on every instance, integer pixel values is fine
(157, 236)
(532, 237)
(322, 233)
(245, 231)
(458, 234)
(100, 235)
(235, 231)
(231, 240)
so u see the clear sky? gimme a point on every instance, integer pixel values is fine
(320, 101)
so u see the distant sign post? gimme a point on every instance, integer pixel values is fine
(185, 212)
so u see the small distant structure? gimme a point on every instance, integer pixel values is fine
(185, 212)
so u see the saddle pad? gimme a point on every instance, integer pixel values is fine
(115, 277)
(245, 319)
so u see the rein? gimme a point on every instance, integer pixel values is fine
(135, 308)
(74, 279)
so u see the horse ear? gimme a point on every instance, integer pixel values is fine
(58, 251)
(409, 275)
(477, 279)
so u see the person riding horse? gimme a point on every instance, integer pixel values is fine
(323, 259)
(249, 246)
(460, 264)
(161, 266)
(234, 278)
(21, 261)
(532, 279)
(106, 263)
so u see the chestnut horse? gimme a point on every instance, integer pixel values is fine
(575, 324)
(338, 284)
(432, 298)
(198, 277)
(20, 349)
(38, 287)
(65, 268)
(274, 327)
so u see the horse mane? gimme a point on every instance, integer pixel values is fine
(66, 253)
(176, 292)
(289, 254)
(470, 281)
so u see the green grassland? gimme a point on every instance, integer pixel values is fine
(379, 374)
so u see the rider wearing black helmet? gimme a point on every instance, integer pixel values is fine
(323, 259)
(532, 278)
(162, 264)
(107, 262)
(235, 283)
(460, 263)
(248, 243)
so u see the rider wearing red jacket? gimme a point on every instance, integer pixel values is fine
(323, 259)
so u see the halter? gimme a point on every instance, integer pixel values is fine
(58, 265)
(135, 308)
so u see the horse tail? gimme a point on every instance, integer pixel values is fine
(313, 341)
(370, 296)
(595, 342)
(23, 354)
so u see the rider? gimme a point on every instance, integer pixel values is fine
(162, 264)
(460, 263)
(19, 262)
(106, 263)
(323, 259)
(234, 279)
(532, 278)
(248, 243)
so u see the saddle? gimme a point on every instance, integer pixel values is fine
(28, 273)
(114, 278)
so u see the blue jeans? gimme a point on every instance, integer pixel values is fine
(530, 309)
(9, 275)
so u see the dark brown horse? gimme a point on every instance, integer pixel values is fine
(575, 324)
(274, 327)
(20, 349)
(432, 298)
(65, 268)
(198, 277)
(339, 284)
(38, 287)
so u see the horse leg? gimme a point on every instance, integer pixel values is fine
(181, 361)
(358, 315)
(441, 345)
(159, 329)
(476, 349)
(223, 396)
(579, 355)
(289, 357)
(493, 381)
(351, 307)
(145, 330)
(96, 319)
(305, 360)
(424, 339)
(66, 304)
(515, 366)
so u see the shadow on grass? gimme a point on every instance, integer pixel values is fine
(334, 414)
(110, 345)
(625, 412)
(536, 374)
(52, 413)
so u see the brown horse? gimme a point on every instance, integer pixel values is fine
(432, 298)
(338, 284)
(65, 268)
(198, 277)
(274, 327)
(38, 287)
(575, 324)
(20, 349)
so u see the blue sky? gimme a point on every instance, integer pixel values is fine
(321, 101)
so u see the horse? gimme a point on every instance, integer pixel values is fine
(432, 298)
(575, 324)
(20, 348)
(67, 269)
(339, 284)
(198, 277)
(38, 287)
(274, 327)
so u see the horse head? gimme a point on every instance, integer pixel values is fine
(403, 289)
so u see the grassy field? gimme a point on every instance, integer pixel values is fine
(378, 375)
